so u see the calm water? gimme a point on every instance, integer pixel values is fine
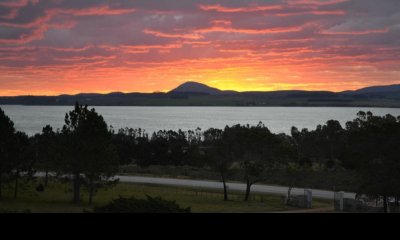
(31, 119)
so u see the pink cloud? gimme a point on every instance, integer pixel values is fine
(224, 27)
(356, 32)
(26, 37)
(93, 11)
(17, 3)
(315, 2)
(63, 49)
(193, 36)
(50, 13)
(11, 15)
(315, 12)
(253, 8)
(248, 31)
(306, 43)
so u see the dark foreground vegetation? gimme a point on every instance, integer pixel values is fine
(362, 156)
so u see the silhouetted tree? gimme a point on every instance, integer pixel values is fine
(47, 151)
(324, 145)
(194, 153)
(125, 143)
(165, 148)
(258, 151)
(372, 151)
(218, 154)
(333, 139)
(89, 154)
(7, 131)
(22, 161)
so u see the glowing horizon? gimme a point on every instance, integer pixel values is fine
(53, 47)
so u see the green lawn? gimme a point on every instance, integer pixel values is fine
(57, 198)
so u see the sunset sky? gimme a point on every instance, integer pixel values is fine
(51, 47)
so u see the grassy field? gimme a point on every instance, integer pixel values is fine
(57, 198)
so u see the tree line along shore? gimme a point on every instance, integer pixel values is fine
(361, 156)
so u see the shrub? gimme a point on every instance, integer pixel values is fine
(133, 205)
(15, 211)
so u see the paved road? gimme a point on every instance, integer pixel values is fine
(231, 186)
(259, 188)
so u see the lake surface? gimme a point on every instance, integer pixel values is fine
(31, 119)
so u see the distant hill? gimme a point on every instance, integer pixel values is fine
(198, 94)
(375, 89)
(389, 91)
(194, 87)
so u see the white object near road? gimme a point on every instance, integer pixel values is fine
(339, 196)
(308, 197)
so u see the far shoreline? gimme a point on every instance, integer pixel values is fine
(206, 106)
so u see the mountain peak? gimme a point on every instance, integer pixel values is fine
(195, 87)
